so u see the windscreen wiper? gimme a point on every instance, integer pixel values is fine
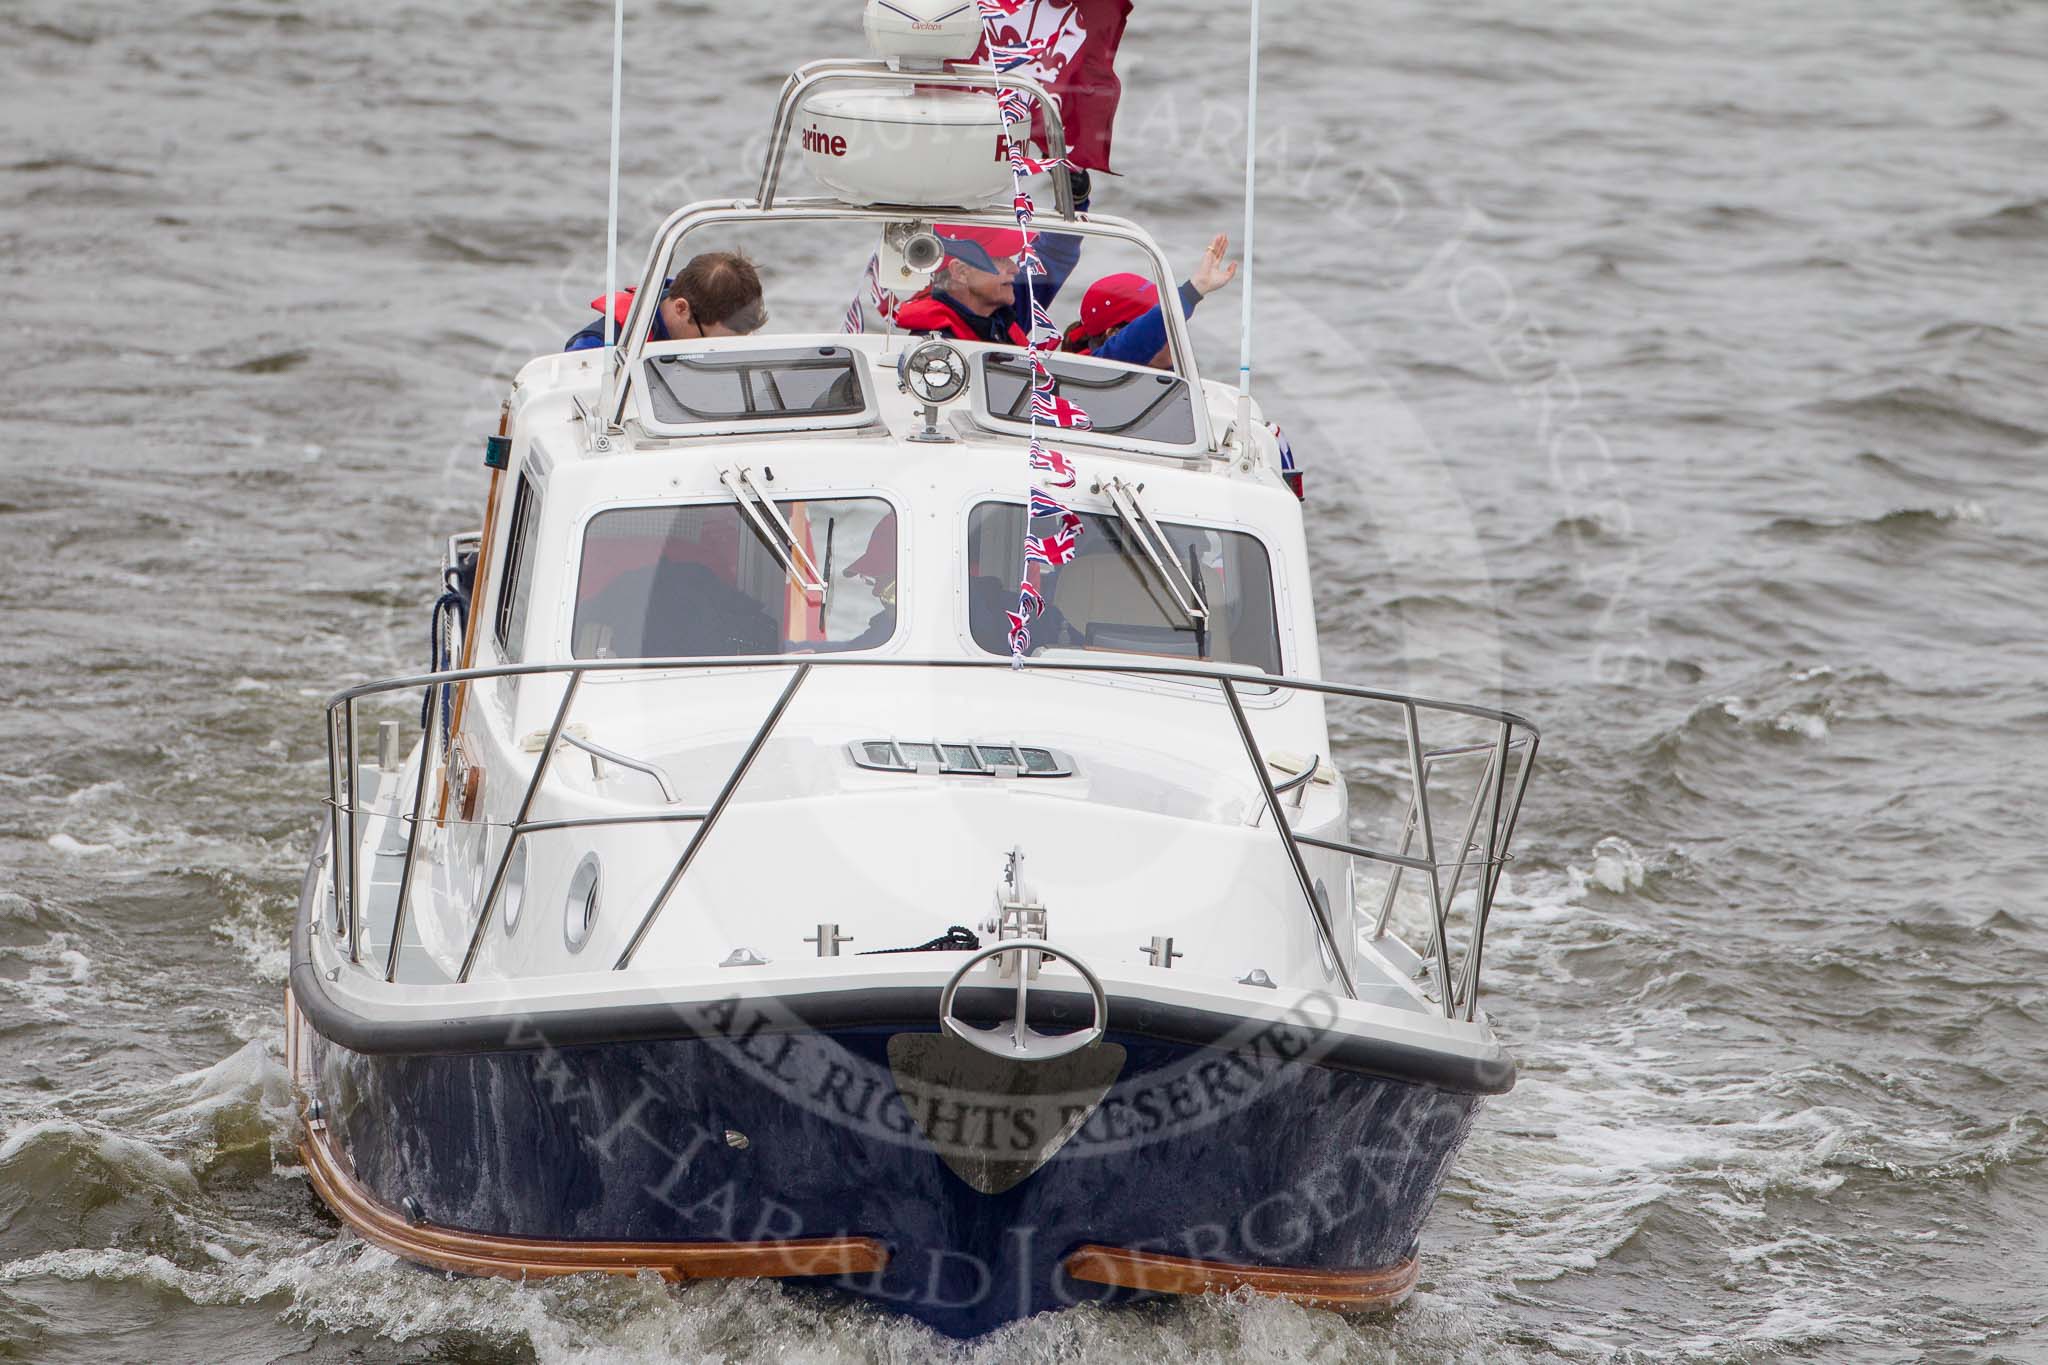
(1158, 551)
(775, 529)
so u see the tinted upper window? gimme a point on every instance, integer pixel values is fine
(699, 581)
(1138, 404)
(514, 582)
(1109, 597)
(738, 386)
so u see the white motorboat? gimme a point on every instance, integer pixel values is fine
(742, 905)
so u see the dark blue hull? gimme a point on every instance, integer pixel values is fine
(1258, 1156)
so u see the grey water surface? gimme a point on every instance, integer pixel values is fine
(1671, 373)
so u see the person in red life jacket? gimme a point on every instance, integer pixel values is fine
(978, 294)
(1120, 314)
(718, 294)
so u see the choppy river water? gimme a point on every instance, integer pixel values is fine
(1670, 372)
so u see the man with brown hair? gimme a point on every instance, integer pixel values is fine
(718, 294)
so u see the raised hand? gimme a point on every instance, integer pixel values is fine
(1212, 274)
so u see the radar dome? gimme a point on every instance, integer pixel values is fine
(922, 34)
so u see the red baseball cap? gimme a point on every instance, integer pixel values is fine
(980, 247)
(1115, 300)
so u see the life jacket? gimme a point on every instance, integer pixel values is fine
(592, 335)
(926, 312)
(622, 304)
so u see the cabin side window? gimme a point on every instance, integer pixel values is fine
(701, 581)
(1109, 597)
(516, 581)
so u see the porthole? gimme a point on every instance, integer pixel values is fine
(513, 897)
(579, 910)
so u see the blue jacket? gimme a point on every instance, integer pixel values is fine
(1144, 335)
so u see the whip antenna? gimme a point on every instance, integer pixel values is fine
(1251, 199)
(611, 230)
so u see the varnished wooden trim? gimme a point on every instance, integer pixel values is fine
(474, 1253)
(1157, 1273)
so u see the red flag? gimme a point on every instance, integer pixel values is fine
(1080, 38)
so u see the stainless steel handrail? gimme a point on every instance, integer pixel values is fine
(812, 76)
(718, 805)
(626, 356)
(540, 772)
(1457, 991)
(1185, 672)
(638, 765)
(1289, 842)
(808, 79)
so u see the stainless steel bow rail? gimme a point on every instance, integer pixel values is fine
(1506, 762)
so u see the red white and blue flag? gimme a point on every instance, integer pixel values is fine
(1006, 57)
(1025, 165)
(1069, 47)
(1055, 549)
(1015, 106)
(1053, 462)
(1059, 412)
(1044, 504)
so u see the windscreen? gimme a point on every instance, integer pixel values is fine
(699, 581)
(1139, 405)
(731, 386)
(1109, 597)
(815, 279)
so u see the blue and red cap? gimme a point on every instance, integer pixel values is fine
(980, 247)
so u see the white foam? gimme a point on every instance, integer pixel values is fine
(64, 843)
(1808, 724)
(135, 1156)
(1616, 868)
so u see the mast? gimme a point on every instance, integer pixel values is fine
(1251, 192)
(611, 231)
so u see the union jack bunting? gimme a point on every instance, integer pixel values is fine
(1055, 463)
(1043, 504)
(1053, 550)
(1059, 412)
(1024, 165)
(1014, 105)
(854, 323)
(1004, 57)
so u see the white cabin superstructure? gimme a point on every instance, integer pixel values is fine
(821, 839)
